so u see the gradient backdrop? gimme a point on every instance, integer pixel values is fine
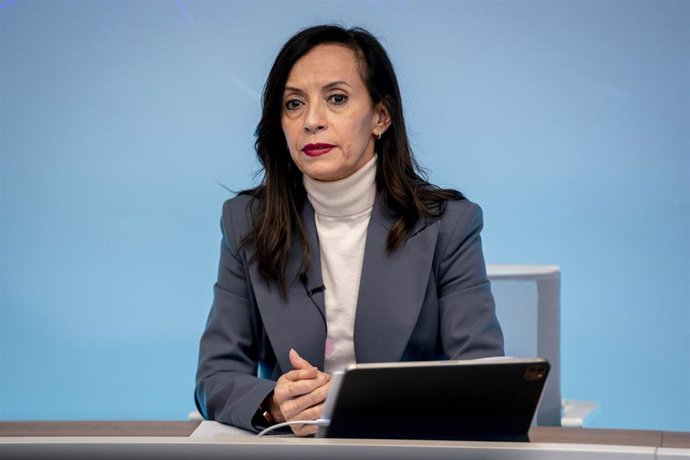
(568, 121)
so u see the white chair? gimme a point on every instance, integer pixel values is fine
(528, 306)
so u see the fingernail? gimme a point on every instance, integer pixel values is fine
(294, 354)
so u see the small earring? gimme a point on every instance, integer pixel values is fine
(378, 135)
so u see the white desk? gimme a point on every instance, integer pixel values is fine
(303, 449)
(106, 440)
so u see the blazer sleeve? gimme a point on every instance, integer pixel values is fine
(468, 324)
(227, 387)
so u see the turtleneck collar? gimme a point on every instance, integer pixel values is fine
(345, 197)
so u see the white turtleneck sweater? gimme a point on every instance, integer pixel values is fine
(342, 210)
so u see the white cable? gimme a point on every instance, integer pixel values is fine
(318, 422)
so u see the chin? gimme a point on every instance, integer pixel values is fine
(323, 176)
(323, 172)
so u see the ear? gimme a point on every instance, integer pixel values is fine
(382, 119)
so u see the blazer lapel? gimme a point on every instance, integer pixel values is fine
(392, 288)
(313, 282)
(299, 321)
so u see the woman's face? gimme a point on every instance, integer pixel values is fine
(328, 119)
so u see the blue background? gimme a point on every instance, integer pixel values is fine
(568, 121)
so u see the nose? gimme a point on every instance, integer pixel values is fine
(314, 119)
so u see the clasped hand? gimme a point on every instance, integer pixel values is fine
(299, 395)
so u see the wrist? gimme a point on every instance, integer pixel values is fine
(270, 410)
(274, 409)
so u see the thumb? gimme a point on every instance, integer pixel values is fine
(297, 361)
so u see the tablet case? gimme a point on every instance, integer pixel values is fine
(483, 400)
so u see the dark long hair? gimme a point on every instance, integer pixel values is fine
(278, 200)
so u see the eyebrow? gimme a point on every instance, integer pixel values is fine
(327, 86)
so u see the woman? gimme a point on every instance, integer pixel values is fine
(342, 223)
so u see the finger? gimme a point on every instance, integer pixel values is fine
(292, 408)
(304, 430)
(302, 374)
(297, 361)
(311, 413)
(305, 407)
(286, 389)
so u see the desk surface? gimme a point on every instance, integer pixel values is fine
(184, 429)
(150, 439)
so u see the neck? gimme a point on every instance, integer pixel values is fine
(345, 197)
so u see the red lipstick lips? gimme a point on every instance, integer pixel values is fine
(314, 150)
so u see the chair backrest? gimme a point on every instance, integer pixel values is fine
(528, 306)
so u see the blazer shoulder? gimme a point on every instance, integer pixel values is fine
(238, 205)
(461, 213)
(461, 222)
(237, 217)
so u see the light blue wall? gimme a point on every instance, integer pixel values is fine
(567, 121)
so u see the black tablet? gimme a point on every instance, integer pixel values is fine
(492, 399)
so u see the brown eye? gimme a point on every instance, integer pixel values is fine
(293, 104)
(338, 99)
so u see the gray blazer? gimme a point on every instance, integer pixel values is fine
(430, 299)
